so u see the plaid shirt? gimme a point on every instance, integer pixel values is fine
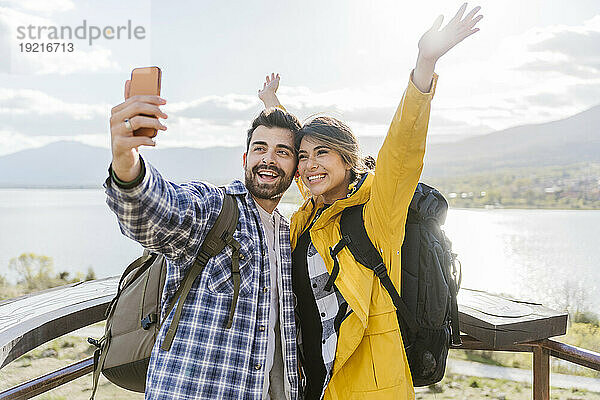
(207, 361)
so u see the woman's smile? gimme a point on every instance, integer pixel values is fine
(323, 170)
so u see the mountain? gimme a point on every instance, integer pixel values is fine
(72, 164)
(571, 140)
(57, 164)
(568, 141)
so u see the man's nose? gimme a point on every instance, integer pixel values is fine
(269, 157)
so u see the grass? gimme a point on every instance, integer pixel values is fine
(455, 386)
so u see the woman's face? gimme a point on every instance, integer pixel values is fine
(323, 170)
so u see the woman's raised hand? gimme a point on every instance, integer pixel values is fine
(268, 93)
(436, 42)
(270, 86)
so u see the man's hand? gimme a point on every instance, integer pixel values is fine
(268, 93)
(125, 155)
(435, 42)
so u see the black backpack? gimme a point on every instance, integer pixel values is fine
(427, 312)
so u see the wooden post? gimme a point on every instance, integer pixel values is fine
(541, 373)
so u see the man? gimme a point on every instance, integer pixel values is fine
(254, 359)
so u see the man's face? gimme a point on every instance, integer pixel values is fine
(270, 162)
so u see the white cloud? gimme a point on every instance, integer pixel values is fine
(94, 139)
(97, 60)
(36, 115)
(34, 102)
(42, 6)
(11, 17)
(540, 75)
(569, 50)
(11, 142)
(82, 58)
(196, 132)
(545, 73)
(217, 109)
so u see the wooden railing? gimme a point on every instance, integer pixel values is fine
(542, 350)
(29, 321)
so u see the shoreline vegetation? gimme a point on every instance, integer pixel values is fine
(569, 187)
(562, 187)
(33, 273)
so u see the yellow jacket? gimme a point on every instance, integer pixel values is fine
(370, 360)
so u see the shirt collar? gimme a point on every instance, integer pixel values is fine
(236, 187)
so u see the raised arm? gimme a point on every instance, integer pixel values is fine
(160, 215)
(134, 113)
(268, 94)
(400, 160)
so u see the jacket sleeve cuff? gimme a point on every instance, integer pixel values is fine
(413, 91)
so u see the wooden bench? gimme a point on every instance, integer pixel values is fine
(498, 321)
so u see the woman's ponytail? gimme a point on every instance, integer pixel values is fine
(369, 163)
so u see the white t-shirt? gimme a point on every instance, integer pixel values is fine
(273, 388)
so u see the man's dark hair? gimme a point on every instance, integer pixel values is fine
(274, 117)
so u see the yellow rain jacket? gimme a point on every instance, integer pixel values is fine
(370, 360)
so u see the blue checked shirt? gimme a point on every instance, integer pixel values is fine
(207, 361)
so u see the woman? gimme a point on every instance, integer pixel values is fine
(350, 336)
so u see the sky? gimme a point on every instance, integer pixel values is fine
(533, 61)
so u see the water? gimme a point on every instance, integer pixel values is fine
(74, 227)
(545, 256)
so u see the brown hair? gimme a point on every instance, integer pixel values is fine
(339, 137)
(274, 117)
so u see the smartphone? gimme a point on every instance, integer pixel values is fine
(145, 80)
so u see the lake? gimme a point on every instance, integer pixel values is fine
(546, 256)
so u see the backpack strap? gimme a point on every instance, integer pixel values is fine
(333, 252)
(99, 359)
(454, 285)
(219, 236)
(354, 233)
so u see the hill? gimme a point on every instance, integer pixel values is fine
(572, 140)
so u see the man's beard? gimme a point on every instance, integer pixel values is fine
(267, 191)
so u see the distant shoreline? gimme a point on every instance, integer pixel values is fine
(50, 187)
(485, 207)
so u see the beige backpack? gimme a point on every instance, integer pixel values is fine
(132, 317)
